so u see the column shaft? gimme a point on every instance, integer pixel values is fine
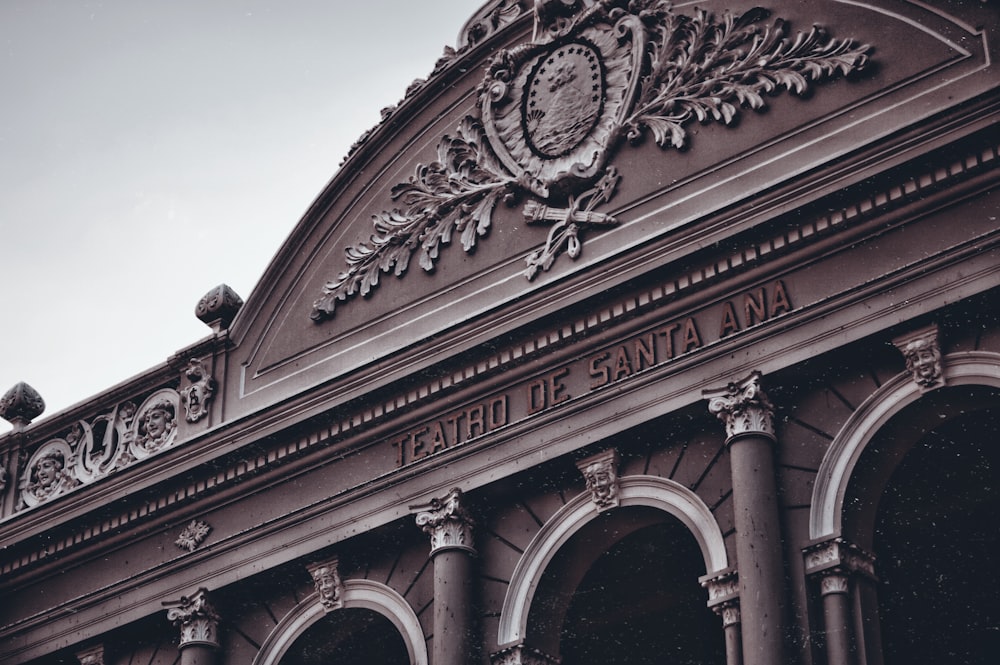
(453, 629)
(758, 548)
(734, 645)
(836, 619)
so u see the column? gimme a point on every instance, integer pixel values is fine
(837, 565)
(724, 600)
(199, 625)
(450, 528)
(748, 416)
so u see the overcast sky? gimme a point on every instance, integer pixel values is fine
(152, 149)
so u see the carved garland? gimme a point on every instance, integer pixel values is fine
(552, 111)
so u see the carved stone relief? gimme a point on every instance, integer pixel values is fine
(197, 397)
(94, 448)
(922, 351)
(553, 111)
(326, 578)
(601, 473)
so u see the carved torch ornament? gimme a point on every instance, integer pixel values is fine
(553, 111)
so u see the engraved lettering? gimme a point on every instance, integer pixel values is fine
(645, 352)
(599, 372)
(730, 324)
(692, 340)
(557, 389)
(536, 397)
(780, 303)
(754, 308)
(476, 421)
(417, 444)
(498, 412)
(438, 440)
(623, 366)
(667, 332)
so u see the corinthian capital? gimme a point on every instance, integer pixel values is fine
(197, 619)
(447, 522)
(743, 407)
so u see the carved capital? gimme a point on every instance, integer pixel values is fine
(922, 351)
(193, 535)
(729, 612)
(743, 407)
(601, 473)
(520, 654)
(723, 589)
(833, 582)
(838, 556)
(447, 522)
(91, 656)
(197, 619)
(326, 578)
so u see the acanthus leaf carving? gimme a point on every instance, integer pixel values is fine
(197, 619)
(447, 522)
(193, 535)
(552, 112)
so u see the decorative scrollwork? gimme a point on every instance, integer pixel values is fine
(552, 111)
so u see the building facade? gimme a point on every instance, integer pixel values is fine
(636, 333)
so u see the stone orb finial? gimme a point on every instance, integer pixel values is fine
(218, 307)
(21, 404)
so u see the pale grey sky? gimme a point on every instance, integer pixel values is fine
(152, 149)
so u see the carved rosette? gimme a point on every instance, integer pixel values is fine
(743, 407)
(447, 522)
(20, 405)
(197, 397)
(520, 654)
(91, 656)
(329, 586)
(922, 352)
(601, 473)
(197, 619)
(193, 535)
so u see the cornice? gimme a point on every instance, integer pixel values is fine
(413, 401)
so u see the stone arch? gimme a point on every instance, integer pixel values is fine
(826, 513)
(363, 594)
(649, 491)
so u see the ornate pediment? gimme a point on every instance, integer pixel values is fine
(552, 113)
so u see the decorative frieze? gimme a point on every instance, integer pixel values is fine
(197, 397)
(722, 589)
(193, 535)
(601, 473)
(922, 351)
(447, 522)
(520, 654)
(196, 618)
(326, 579)
(743, 407)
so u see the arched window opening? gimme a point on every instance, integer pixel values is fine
(349, 636)
(936, 536)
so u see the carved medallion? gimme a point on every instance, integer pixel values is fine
(155, 425)
(552, 112)
(49, 473)
(197, 397)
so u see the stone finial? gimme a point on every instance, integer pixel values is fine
(601, 473)
(197, 619)
(218, 307)
(922, 351)
(91, 656)
(447, 522)
(743, 407)
(20, 405)
(326, 578)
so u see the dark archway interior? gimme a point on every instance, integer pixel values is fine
(937, 534)
(352, 636)
(640, 602)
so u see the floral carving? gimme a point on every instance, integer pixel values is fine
(198, 396)
(447, 522)
(552, 111)
(193, 535)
